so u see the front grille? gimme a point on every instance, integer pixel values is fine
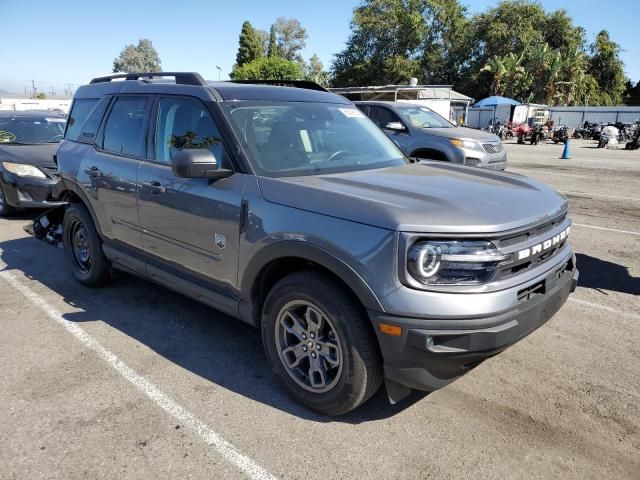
(492, 148)
(51, 171)
(533, 232)
(537, 234)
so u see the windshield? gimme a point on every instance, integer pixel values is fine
(292, 139)
(30, 130)
(424, 117)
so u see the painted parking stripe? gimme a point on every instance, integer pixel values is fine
(229, 452)
(602, 307)
(603, 228)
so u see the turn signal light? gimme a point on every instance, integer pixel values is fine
(392, 330)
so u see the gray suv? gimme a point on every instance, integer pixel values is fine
(285, 207)
(423, 134)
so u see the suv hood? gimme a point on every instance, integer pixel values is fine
(427, 197)
(462, 133)
(40, 155)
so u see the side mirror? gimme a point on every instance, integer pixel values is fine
(197, 163)
(395, 126)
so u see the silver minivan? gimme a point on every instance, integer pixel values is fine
(423, 134)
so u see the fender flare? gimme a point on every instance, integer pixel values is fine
(295, 248)
(63, 185)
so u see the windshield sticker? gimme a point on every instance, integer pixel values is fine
(55, 120)
(351, 112)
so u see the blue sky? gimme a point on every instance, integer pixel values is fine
(56, 42)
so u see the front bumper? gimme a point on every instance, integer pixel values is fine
(482, 159)
(28, 192)
(433, 352)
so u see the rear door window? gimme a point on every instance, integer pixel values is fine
(125, 129)
(80, 110)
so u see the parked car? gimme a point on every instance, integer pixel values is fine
(28, 142)
(423, 134)
(288, 209)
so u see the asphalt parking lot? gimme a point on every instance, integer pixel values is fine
(134, 381)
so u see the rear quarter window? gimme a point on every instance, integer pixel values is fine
(80, 110)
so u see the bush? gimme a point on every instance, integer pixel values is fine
(267, 68)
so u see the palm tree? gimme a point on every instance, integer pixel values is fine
(495, 66)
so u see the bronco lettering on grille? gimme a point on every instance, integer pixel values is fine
(546, 245)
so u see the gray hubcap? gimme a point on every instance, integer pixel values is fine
(308, 346)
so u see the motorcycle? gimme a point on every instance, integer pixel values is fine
(539, 132)
(522, 132)
(608, 136)
(560, 134)
(634, 144)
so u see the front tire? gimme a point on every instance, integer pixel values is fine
(320, 343)
(6, 210)
(83, 247)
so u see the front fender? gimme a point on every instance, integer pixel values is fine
(293, 248)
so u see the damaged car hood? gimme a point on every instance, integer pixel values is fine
(423, 197)
(40, 155)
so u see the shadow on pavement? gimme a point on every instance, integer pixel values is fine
(208, 343)
(603, 275)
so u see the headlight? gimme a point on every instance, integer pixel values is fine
(463, 143)
(453, 262)
(23, 170)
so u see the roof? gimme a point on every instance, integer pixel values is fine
(244, 91)
(187, 83)
(422, 92)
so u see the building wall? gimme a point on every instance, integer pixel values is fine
(573, 117)
(34, 104)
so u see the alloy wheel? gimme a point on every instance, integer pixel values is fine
(308, 346)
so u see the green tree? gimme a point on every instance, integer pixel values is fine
(315, 71)
(384, 45)
(291, 37)
(250, 46)
(138, 58)
(267, 68)
(272, 50)
(607, 68)
(631, 93)
(448, 45)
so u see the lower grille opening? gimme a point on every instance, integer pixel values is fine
(528, 293)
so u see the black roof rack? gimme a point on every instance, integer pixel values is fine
(308, 84)
(182, 78)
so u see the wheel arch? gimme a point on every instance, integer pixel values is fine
(432, 154)
(70, 192)
(279, 259)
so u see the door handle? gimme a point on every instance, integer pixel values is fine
(156, 187)
(93, 172)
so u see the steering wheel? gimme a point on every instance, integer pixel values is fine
(335, 155)
(55, 138)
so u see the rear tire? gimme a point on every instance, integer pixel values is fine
(331, 369)
(6, 210)
(83, 247)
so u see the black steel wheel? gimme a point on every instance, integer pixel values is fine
(83, 247)
(6, 210)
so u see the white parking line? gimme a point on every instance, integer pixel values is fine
(226, 449)
(602, 307)
(603, 228)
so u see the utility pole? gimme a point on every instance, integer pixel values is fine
(53, 92)
(34, 92)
